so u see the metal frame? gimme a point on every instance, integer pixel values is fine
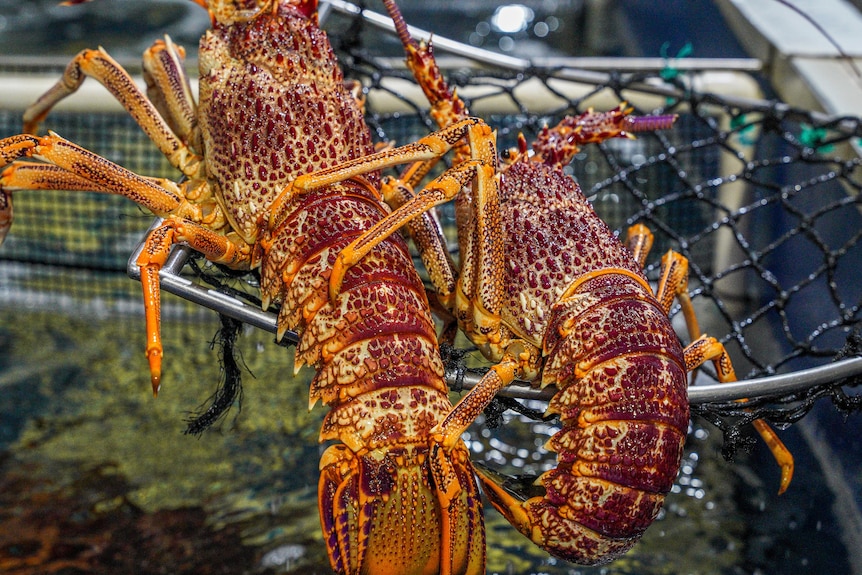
(776, 385)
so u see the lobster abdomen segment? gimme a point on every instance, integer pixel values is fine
(629, 388)
(367, 365)
(604, 507)
(624, 413)
(634, 454)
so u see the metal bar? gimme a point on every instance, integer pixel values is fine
(598, 63)
(499, 60)
(771, 386)
(775, 385)
(172, 282)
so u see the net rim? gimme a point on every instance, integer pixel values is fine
(770, 386)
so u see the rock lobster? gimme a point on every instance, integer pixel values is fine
(274, 110)
(566, 305)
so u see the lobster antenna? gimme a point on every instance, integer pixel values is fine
(400, 25)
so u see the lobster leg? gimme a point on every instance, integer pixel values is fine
(100, 66)
(432, 146)
(673, 284)
(639, 240)
(707, 348)
(428, 237)
(31, 176)
(75, 168)
(481, 168)
(439, 191)
(159, 196)
(169, 90)
(230, 250)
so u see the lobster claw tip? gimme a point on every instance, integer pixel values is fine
(154, 356)
(786, 477)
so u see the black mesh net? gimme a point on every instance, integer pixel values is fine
(761, 197)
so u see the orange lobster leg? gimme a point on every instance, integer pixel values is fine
(483, 307)
(427, 234)
(708, 348)
(432, 146)
(33, 176)
(230, 250)
(74, 168)
(27, 176)
(100, 66)
(673, 283)
(92, 173)
(169, 90)
(441, 190)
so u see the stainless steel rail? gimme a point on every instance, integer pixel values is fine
(776, 385)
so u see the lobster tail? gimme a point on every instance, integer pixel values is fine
(623, 429)
(393, 488)
(378, 369)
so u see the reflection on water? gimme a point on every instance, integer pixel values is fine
(91, 438)
(103, 479)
